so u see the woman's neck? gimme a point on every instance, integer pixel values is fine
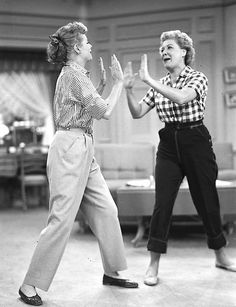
(176, 72)
(77, 60)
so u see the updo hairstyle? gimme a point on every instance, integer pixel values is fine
(63, 40)
(184, 42)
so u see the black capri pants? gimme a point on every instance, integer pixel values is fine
(185, 149)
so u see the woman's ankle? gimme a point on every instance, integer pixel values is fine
(221, 257)
(112, 274)
(28, 290)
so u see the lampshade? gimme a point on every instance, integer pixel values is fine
(4, 130)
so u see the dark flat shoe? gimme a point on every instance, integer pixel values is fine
(31, 300)
(119, 282)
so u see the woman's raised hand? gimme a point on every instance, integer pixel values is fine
(116, 70)
(143, 72)
(129, 76)
(102, 72)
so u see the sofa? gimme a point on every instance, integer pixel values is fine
(225, 160)
(120, 163)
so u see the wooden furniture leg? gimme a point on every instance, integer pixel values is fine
(140, 231)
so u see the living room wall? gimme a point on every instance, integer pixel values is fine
(229, 42)
(129, 29)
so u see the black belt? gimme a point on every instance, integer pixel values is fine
(188, 125)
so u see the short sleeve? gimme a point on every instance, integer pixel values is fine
(198, 81)
(149, 98)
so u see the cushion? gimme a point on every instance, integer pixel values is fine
(227, 174)
(224, 155)
(126, 161)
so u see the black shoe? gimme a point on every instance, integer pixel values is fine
(119, 282)
(31, 300)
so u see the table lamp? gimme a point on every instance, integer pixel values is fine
(4, 130)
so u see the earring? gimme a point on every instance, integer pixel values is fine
(76, 49)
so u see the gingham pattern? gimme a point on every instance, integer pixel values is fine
(76, 101)
(169, 111)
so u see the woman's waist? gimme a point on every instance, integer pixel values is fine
(87, 130)
(184, 125)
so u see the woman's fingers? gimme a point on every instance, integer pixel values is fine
(116, 69)
(128, 71)
(101, 64)
(116, 63)
(144, 62)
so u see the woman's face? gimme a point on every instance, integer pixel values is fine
(85, 49)
(172, 55)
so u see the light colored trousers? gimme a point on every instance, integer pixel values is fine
(75, 181)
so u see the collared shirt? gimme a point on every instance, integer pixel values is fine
(169, 111)
(76, 101)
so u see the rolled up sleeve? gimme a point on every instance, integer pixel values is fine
(199, 83)
(97, 108)
(149, 98)
(83, 92)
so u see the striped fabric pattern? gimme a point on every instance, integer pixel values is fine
(76, 101)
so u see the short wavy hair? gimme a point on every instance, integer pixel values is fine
(63, 40)
(184, 41)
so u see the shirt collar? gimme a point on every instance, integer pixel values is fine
(78, 67)
(184, 73)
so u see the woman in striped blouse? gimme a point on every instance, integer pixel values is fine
(75, 179)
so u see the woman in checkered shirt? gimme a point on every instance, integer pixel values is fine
(185, 147)
(75, 179)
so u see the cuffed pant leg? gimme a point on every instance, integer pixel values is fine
(216, 242)
(168, 179)
(201, 172)
(205, 198)
(102, 216)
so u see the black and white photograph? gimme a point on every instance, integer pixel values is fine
(118, 153)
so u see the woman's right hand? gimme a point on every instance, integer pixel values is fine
(116, 70)
(129, 76)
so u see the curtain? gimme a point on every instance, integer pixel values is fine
(27, 94)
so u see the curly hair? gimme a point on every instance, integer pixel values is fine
(63, 40)
(184, 42)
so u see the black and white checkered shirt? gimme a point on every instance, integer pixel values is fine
(169, 111)
(76, 101)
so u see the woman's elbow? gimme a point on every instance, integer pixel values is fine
(106, 115)
(136, 116)
(181, 100)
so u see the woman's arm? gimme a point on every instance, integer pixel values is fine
(137, 109)
(117, 75)
(103, 79)
(179, 96)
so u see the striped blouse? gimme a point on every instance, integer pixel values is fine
(76, 101)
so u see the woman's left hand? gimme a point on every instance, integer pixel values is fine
(116, 70)
(102, 72)
(143, 72)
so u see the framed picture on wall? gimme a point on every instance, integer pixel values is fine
(230, 99)
(230, 74)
